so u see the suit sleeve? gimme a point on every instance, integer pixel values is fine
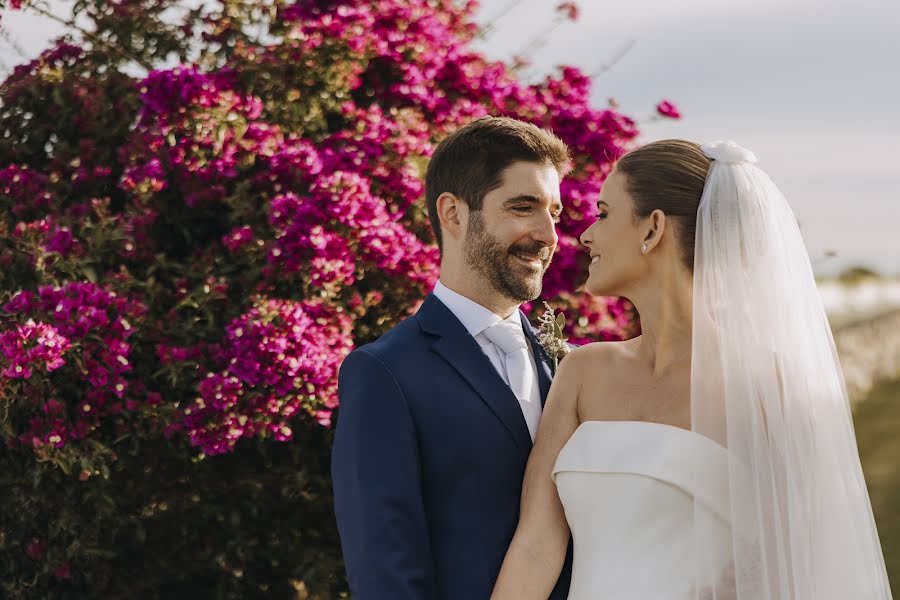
(376, 472)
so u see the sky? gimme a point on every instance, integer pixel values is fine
(812, 87)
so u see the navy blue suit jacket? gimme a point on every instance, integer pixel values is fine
(428, 462)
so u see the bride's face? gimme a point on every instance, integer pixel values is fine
(614, 241)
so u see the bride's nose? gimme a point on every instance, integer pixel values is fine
(585, 238)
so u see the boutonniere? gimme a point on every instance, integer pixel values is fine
(550, 335)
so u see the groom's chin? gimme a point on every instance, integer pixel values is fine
(519, 289)
(530, 290)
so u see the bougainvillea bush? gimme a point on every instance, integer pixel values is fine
(202, 211)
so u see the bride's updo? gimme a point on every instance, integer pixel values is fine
(668, 175)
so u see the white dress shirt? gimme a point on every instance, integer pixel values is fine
(476, 318)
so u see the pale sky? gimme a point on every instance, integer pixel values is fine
(812, 87)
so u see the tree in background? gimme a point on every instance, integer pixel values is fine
(202, 211)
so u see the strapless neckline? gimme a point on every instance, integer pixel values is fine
(642, 424)
(671, 454)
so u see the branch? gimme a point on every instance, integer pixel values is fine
(92, 36)
(13, 43)
(491, 25)
(540, 39)
(603, 68)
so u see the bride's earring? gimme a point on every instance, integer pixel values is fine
(644, 246)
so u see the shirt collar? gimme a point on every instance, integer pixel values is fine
(474, 317)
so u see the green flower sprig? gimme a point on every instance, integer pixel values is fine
(551, 336)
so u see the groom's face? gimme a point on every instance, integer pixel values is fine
(509, 242)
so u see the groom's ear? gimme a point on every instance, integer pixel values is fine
(452, 212)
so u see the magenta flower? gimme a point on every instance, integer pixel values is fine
(568, 9)
(238, 238)
(35, 549)
(32, 346)
(280, 359)
(77, 319)
(62, 572)
(668, 110)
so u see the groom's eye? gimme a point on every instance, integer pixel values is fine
(527, 209)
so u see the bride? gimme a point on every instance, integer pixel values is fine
(714, 456)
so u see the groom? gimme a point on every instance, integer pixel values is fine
(438, 416)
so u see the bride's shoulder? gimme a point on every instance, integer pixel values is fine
(614, 351)
(596, 358)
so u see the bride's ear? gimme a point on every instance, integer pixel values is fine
(654, 228)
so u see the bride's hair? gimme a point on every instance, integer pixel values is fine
(668, 175)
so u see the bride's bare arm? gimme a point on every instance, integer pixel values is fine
(538, 549)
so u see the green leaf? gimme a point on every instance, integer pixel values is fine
(90, 273)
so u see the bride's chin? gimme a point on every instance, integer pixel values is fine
(600, 286)
(594, 288)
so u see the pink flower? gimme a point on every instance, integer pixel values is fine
(280, 358)
(35, 549)
(81, 319)
(60, 241)
(668, 110)
(32, 345)
(569, 9)
(62, 572)
(237, 238)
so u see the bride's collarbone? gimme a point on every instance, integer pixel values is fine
(621, 388)
(672, 409)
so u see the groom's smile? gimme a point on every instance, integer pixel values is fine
(534, 258)
(535, 263)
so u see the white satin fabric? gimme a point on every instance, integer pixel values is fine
(630, 497)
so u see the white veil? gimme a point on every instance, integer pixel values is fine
(767, 385)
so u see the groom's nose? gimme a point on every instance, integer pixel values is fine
(545, 231)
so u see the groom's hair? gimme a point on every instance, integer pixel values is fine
(470, 162)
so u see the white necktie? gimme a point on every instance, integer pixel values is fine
(510, 340)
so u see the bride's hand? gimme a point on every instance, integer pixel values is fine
(538, 549)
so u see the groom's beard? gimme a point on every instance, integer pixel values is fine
(486, 255)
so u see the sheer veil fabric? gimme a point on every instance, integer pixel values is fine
(766, 384)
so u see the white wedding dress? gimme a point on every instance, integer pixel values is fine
(630, 497)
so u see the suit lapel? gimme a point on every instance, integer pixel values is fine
(462, 352)
(545, 375)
